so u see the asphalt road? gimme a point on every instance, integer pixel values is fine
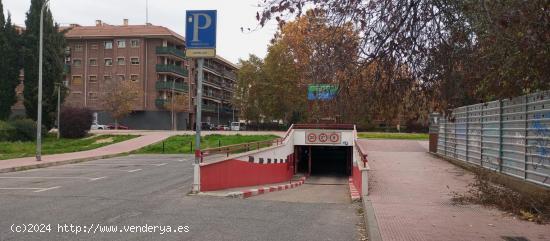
(143, 196)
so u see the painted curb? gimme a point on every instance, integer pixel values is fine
(263, 190)
(58, 163)
(355, 195)
(370, 219)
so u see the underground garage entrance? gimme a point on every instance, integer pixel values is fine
(324, 160)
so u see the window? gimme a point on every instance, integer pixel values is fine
(134, 61)
(120, 77)
(134, 43)
(134, 77)
(107, 78)
(108, 44)
(78, 47)
(76, 80)
(120, 61)
(77, 62)
(121, 43)
(92, 78)
(93, 46)
(108, 62)
(92, 96)
(93, 62)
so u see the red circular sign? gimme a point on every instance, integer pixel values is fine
(311, 137)
(323, 137)
(334, 137)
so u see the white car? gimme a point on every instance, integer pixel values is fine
(96, 126)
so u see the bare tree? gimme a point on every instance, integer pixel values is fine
(119, 98)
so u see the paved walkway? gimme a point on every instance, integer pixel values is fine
(411, 196)
(146, 138)
(102, 152)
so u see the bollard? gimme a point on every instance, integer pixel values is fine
(163, 147)
(191, 146)
(219, 143)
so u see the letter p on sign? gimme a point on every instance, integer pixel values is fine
(201, 33)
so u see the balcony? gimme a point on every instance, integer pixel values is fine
(171, 51)
(66, 68)
(161, 103)
(210, 108)
(167, 86)
(163, 68)
(227, 110)
(229, 75)
(212, 95)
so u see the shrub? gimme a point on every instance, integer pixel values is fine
(25, 130)
(75, 122)
(7, 131)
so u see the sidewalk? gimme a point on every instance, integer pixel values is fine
(24, 163)
(411, 197)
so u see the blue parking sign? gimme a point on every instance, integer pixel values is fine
(200, 33)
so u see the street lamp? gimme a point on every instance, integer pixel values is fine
(39, 118)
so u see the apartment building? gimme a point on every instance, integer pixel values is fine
(152, 58)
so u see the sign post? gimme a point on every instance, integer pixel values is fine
(200, 34)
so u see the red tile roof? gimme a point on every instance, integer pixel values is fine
(105, 31)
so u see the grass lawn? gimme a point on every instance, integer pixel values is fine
(183, 143)
(387, 135)
(50, 145)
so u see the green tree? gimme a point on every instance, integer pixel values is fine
(247, 93)
(54, 47)
(9, 64)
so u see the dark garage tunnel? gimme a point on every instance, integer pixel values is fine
(325, 160)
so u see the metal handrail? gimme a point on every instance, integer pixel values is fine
(362, 153)
(239, 147)
(325, 126)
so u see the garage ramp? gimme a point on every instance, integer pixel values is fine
(326, 154)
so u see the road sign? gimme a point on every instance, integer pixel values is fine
(200, 33)
(321, 91)
(323, 137)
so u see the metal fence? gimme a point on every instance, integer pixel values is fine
(510, 136)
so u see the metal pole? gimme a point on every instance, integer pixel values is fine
(196, 168)
(40, 56)
(173, 116)
(58, 110)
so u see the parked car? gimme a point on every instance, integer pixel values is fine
(205, 126)
(96, 126)
(238, 126)
(222, 128)
(120, 127)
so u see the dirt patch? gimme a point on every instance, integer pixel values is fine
(361, 226)
(104, 140)
(533, 207)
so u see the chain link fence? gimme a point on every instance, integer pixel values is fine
(510, 136)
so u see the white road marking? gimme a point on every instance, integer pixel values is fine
(135, 170)
(37, 189)
(47, 189)
(88, 178)
(20, 188)
(97, 178)
(83, 169)
(119, 164)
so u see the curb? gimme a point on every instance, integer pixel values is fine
(370, 219)
(355, 195)
(58, 163)
(263, 190)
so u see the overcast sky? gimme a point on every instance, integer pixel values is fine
(232, 44)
